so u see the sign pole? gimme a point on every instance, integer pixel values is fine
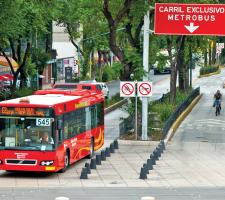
(136, 118)
(145, 78)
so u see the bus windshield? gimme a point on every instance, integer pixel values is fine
(26, 133)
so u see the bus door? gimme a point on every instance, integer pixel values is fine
(59, 135)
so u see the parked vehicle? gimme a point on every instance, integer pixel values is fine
(94, 86)
(166, 70)
(65, 86)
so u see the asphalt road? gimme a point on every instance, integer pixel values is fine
(115, 193)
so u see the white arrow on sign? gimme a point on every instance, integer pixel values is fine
(191, 28)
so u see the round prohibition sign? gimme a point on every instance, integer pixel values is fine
(127, 89)
(145, 89)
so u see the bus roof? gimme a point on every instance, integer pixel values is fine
(61, 101)
(48, 100)
(69, 92)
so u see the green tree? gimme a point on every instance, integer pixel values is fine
(21, 20)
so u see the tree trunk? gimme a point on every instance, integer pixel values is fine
(21, 66)
(210, 54)
(23, 79)
(93, 65)
(99, 59)
(173, 75)
(180, 64)
(205, 58)
(173, 82)
(113, 25)
(186, 80)
(191, 64)
(214, 52)
(48, 40)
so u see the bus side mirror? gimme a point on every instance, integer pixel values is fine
(59, 124)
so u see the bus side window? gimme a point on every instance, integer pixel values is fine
(93, 116)
(60, 136)
(100, 114)
(66, 130)
(60, 130)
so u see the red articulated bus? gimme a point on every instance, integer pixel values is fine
(50, 130)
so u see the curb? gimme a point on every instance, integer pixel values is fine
(115, 106)
(211, 74)
(184, 114)
(137, 143)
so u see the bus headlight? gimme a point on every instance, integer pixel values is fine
(46, 162)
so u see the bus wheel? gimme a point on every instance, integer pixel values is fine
(66, 162)
(91, 148)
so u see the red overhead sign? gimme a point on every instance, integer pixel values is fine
(189, 19)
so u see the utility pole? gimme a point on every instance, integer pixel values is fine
(145, 77)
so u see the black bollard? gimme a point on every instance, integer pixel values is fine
(158, 151)
(161, 148)
(149, 164)
(116, 145)
(111, 148)
(87, 165)
(145, 166)
(143, 174)
(103, 158)
(84, 174)
(155, 153)
(98, 160)
(107, 152)
(93, 163)
(152, 157)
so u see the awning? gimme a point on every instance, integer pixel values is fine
(6, 77)
(4, 62)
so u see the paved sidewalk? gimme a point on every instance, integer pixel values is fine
(195, 156)
(121, 169)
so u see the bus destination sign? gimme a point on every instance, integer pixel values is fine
(24, 111)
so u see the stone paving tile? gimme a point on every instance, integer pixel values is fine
(121, 169)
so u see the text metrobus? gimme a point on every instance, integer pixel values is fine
(50, 130)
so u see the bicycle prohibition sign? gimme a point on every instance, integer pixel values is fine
(127, 89)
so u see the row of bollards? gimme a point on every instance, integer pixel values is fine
(152, 160)
(98, 159)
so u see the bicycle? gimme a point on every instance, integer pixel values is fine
(218, 107)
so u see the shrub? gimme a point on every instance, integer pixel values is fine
(107, 74)
(208, 70)
(111, 72)
(117, 68)
(166, 108)
(22, 92)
